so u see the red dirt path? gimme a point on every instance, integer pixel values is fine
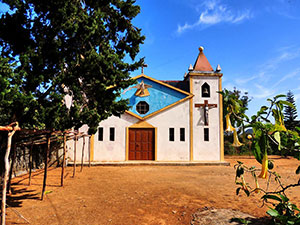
(138, 194)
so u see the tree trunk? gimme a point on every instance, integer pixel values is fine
(46, 166)
(6, 172)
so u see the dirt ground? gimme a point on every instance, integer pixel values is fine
(138, 194)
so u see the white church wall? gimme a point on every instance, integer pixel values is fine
(79, 148)
(206, 150)
(107, 150)
(175, 117)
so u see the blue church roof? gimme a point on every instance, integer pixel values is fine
(160, 96)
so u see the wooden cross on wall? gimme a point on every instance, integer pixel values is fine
(206, 107)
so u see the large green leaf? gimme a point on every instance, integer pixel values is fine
(279, 96)
(298, 170)
(263, 108)
(262, 147)
(270, 165)
(284, 198)
(273, 212)
(287, 103)
(294, 207)
(238, 190)
(239, 171)
(247, 192)
(257, 147)
(273, 197)
(277, 138)
(257, 151)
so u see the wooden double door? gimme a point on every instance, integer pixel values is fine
(141, 144)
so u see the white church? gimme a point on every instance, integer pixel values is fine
(168, 121)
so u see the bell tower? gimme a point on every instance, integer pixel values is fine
(206, 111)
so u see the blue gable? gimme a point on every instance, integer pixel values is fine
(160, 96)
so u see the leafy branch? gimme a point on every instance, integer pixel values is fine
(269, 132)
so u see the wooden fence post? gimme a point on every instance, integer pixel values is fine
(83, 145)
(74, 166)
(6, 162)
(11, 166)
(89, 151)
(64, 160)
(30, 164)
(46, 165)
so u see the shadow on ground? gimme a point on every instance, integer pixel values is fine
(213, 216)
(252, 221)
(18, 195)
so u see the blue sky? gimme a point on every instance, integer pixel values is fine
(257, 42)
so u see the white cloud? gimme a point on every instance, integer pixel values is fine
(262, 75)
(214, 12)
(287, 76)
(289, 54)
(286, 55)
(267, 69)
(240, 81)
(268, 80)
(261, 92)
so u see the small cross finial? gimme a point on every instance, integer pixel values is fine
(144, 65)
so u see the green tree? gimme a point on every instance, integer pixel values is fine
(235, 104)
(70, 47)
(290, 113)
(50, 49)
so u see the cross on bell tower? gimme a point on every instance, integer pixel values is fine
(206, 107)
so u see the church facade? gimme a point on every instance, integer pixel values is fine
(167, 120)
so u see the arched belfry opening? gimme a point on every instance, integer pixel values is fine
(205, 90)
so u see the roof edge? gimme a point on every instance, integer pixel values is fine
(164, 84)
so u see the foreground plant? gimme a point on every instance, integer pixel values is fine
(269, 134)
